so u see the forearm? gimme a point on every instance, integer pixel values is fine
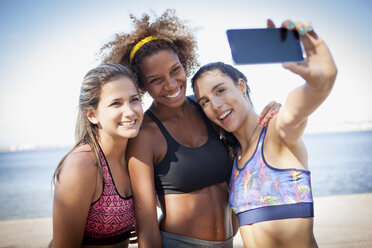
(303, 101)
(300, 104)
(149, 235)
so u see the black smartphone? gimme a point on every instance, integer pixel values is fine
(269, 45)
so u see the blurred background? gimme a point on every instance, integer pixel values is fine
(46, 48)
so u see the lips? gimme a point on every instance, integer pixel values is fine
(225, 116)
(128, 123)
(174, 95)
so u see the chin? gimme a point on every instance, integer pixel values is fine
(129, 134)
(176, 102)
(228, 128)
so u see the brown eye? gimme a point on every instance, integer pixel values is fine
(155, 80)
(203, 103)
(135, 99)
(220, 91)
(175, 70)
(115, 104)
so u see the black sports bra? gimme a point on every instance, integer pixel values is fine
(185, 169)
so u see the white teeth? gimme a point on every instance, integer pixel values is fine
(224, 114)
(128, 123)
(175, 94)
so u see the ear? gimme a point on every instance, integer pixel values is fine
(91, 114)
(243, 86)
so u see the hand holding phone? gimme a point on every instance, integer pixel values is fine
(270, 45)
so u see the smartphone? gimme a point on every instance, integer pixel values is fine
(269, 45)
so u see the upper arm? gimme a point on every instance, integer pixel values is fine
(73, 195)
(141, 171)
(292, 117)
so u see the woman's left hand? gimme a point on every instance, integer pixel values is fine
(318, 69)
(268, 112)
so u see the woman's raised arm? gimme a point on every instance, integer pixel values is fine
(319, 72)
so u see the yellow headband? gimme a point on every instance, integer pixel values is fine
(143, 42)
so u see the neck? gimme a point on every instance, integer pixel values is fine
(166, 112)
(113, 148)
(245, 133)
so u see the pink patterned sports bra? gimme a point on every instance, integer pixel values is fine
(111, 217)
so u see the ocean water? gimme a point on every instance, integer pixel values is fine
(340, 163)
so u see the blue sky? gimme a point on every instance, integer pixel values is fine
(46, 47)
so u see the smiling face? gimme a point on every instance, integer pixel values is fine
(119, 112)
(222, 100)
(164, 78)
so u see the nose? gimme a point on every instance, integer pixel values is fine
(171, 83)
(128, 111)
(216, 103)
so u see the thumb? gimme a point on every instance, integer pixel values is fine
(300, 68)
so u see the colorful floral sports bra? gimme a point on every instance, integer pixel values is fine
(260, 192)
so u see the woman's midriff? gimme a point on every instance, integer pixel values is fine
(203, 214)
(288, 233)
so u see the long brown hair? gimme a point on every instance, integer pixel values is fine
(90, 91)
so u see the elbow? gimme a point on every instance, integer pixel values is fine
(331, 78)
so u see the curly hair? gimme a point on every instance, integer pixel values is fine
(168, 25)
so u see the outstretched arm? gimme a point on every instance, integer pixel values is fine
(319, 72)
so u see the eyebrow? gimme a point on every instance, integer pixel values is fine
(115, 99)
(134, 95)
(172, 67)
(120, 98)
(213, 88)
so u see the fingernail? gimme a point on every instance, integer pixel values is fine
(271, 114)
(259, 118)
(291, 25)
(302, 31)
(264, 123)
(309, 28)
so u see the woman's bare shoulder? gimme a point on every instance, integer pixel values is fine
(80, 162)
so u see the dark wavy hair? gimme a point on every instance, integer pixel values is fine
(168, 25)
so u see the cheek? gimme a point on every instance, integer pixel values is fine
(182, 76)
(153, 90)
(210, 113)
(139, 111)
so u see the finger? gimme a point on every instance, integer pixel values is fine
(288, 24)
(273, 111)
(300, 27)
(270, 23)
(306, 33)
(309, 27)
(310, 30)
(265, 111)
(300, 68)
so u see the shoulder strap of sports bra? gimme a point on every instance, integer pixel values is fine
(105, 168)
(101, 156)
(164, 131)
(262, 138)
